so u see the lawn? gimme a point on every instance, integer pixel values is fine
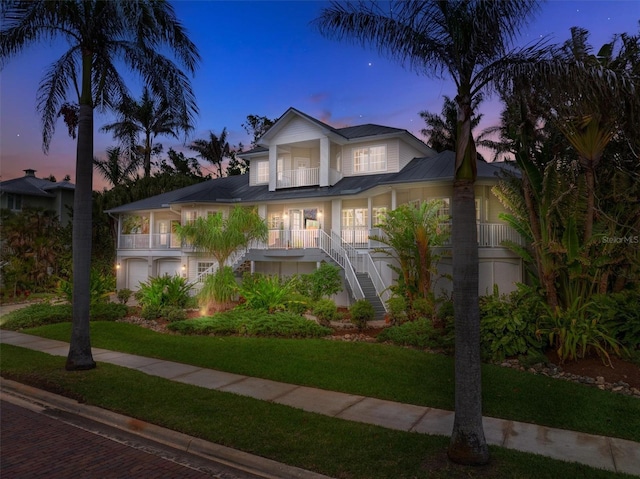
(338, 448)
(382, 371)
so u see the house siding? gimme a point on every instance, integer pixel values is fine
(297, 129)
(406, 153)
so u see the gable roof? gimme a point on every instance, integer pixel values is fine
(236, 189)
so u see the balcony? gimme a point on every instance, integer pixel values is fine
(149, 241)
(298, 177)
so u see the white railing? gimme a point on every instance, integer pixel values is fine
(491, 235)
(355, 236)
(138, 241)
(382, 290)
(298, 177)
(335, 250)
(288, 239)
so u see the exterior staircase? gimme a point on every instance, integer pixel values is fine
(370, 295)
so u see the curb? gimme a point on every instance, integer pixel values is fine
(246, 462)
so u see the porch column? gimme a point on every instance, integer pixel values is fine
(336, 216)
(273, 166)
(369, 213)
(324, 161)
(394, 204)
(119, 238)
(151, 218)
(262, 211)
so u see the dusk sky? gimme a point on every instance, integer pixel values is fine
(263, 57)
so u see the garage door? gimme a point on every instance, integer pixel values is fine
(137, 272)
(172, 268)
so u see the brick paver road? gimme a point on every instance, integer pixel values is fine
(33, 444)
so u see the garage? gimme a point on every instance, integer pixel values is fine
(168, 267)
(137, 272)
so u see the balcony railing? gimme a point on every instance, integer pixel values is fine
(490, 235)
(298, 177)
(150, 241)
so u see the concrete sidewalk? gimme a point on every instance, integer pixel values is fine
(607, 453)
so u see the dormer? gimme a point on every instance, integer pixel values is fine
(301, 151)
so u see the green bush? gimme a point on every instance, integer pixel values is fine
(265, 292)
(124, 295)
(252, 323)
(218, 289)
(620, 314)
(325, 281)
(164, 291)
(397, 307)
(422, 308)
(298, 304)
(173, 313)
(508, 324)
(361, 311)
(150, 312)
(420, 334)
(100, 286)
(41, 314)
(326, 311)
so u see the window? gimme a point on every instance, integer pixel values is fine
(354, 217)
(275, 221)
(445, 209)
(190, 217)
(14, 202)
(379, 214)
(262, 175)
(366, 160)
(205, 267)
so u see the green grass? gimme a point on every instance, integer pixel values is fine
(338, 448)
(382, 371)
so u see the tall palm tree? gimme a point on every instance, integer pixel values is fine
(150, 117)
(467, 40)
(99, 33)
(116, 168)
(214, 150)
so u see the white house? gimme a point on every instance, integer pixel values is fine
(320, 189)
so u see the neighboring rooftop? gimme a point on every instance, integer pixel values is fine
(30, 185)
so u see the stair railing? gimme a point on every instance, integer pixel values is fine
(334, 249)
(383, 292)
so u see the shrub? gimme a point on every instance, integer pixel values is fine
(173, 313)
(124, 295)
(620, 314)
(150, 312)
(422, 308)
(265, 292)
(397, 307)
(297, 304)
(164, 291)
(41, 314)
(326, 311)
(252, 323)
(100, 287)
(325, 281)
(361, 311)
(108, 311)
(508, 324)
(219, 289)
(420, 334)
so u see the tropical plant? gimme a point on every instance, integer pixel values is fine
(218, 290)
(124, 295)
(265, 292)
(468, 40)
(163, 291)
(325, 281)
(117, 167)
(215, 150)
(151, 116)
(101, 286)
(410, 235)
(98, 33)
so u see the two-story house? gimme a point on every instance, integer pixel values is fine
(321, 191)
(29, 191)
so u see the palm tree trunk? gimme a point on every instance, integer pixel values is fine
(468, 444)
(79, 356)
(588, 225)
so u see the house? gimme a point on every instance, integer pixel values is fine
(29, 191)
(321, 190)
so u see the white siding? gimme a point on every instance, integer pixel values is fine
(392, 157)
(406, 154)
(297, 129)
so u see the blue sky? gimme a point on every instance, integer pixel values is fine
(262, 57)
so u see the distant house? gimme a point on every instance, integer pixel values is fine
(31, 192)
(321, 191)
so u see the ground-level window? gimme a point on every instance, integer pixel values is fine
(274, 221)
(379, 214)
(14, 202)
(204, 267)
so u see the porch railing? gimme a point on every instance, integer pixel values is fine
(298, 177)
(150, 241)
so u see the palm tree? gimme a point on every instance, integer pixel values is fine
(99, 33)
(467, 40)
(441, 130)
(149, 117)
(214, 150)
(116, 168)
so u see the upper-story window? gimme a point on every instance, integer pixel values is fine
(190, 217)
(262, 175)
(367, 160)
